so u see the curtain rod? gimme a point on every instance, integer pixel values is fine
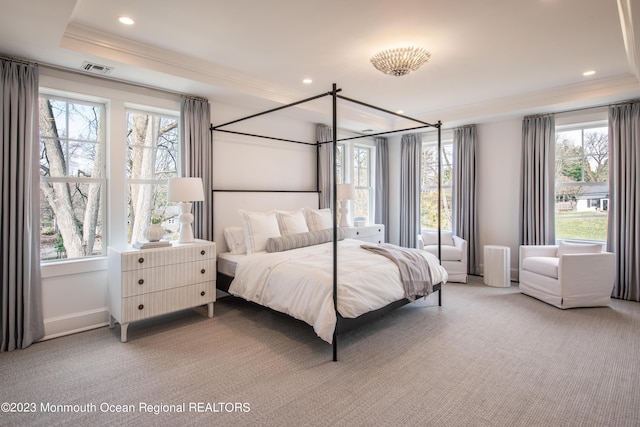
(18, 60)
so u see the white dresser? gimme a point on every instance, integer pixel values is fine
(368, 233)
(151, 282)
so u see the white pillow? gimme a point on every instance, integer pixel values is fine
(234, 236)
(431, 238)
(257, 228)
(293, 222)
(565, 248)
(318, 219)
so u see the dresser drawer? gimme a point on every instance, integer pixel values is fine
(135, 282)
(155, 303)
(150, 258)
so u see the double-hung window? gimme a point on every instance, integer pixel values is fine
(582, 181)
(153, 146)
(355, 164)
(72, 177)
(429, 185)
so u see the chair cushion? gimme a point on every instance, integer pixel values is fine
(565, 248)
(543, 265)
(449, 253)
(431, 238)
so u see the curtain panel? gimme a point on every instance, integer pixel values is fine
(324, 134)
(21, 318)
(410, 167)
(537, 191)
(197, 160)
(624, 185)
(381, 212)
(464, 192)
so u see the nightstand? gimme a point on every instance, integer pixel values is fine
(369, 233)
(151, 282)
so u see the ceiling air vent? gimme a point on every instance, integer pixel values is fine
(96, 68)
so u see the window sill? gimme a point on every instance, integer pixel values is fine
(79, 266)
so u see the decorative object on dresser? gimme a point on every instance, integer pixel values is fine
(184, 191)
(369, 233)
(345, 192)
(157, 281)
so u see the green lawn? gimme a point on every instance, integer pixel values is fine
(581, 225)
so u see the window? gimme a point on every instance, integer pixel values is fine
(363, 181)
(429, 185)
(582, 182)
(72, 164)
(355, 164)
(153, 145)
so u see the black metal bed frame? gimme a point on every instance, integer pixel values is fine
(342, 323)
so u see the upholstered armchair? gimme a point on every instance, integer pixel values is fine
(567, 275)
(453, 250)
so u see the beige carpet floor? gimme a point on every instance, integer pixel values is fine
(487, 357)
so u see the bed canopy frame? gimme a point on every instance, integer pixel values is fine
(335, 96)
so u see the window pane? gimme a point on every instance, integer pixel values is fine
(152, 146)
(83, 121)
(84, 159)
(361, 204)
(145, 200)
(71, 220)
(429, 187)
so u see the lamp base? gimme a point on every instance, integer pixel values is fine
(185, 218)
(344, 211)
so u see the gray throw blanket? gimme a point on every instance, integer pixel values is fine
(414, 268)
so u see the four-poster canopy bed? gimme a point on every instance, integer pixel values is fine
(236, 274)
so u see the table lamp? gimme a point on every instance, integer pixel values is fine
(184, 191)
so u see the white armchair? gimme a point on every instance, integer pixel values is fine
(567, 275)
(453, 250)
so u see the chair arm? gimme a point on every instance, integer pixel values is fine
(420, 242)
(460, 243)
(584, 273)
(527, 251)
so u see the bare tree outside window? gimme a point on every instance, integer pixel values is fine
(429, 186)
(152, 157)
(72, 178)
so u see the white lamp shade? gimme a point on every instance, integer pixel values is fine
(185, 190)
(346, 192)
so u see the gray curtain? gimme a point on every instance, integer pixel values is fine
(21, 299)
(624, 186)
(324, 133)
(197, 160)
(537, 197)
(464, 192)
(381, 214)
(411, 159)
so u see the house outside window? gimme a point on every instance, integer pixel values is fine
(72, 177)
(582, 182)
(429, 185)
(153, 146)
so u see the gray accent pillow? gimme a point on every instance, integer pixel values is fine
(300, 240)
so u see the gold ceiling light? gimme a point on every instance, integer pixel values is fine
(400, 61)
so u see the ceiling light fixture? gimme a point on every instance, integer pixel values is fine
(126, 20)
(401, 61)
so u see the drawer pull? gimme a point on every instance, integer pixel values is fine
(141, 306)
(357, 233)
(202, 271)
(202, 293)
(140, 282)
(140, 260)
(379, 230)
(202, 252)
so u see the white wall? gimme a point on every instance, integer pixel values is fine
(498, 186)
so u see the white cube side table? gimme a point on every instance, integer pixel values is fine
(497, 266)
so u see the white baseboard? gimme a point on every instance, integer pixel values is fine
(77, 322)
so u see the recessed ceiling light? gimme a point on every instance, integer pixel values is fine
(589, 73)
(400, 112)
(126, 20)
(307, 81)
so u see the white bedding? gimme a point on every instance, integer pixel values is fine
(299, 282)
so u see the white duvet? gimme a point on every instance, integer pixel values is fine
(299, 282)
